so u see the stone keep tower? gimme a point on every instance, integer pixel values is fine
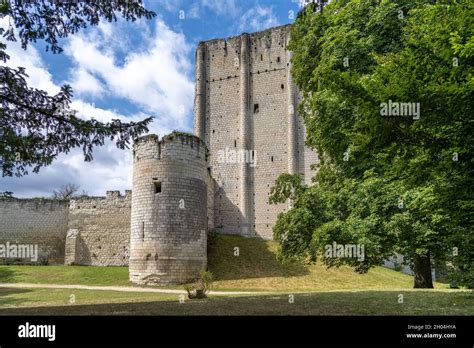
(246, 101)
(168, 241)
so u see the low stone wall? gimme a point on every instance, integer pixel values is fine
(33, 222)
(99, 230)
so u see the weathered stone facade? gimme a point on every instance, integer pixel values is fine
(184, 185)
(86, 231)
(41, 222)
(169, 209)
(99, 230)
(246, 101)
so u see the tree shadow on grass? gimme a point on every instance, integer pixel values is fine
(323, 303)
(7, 275)
(6, 300)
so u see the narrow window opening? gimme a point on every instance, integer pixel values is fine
(143, 231)
(235, 143)
(261, 57)
(278, 59)
(255, 109)
(272, 158)
(282, 86)
(157, 187)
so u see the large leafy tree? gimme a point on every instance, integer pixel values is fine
(392, 184)
(36, 127)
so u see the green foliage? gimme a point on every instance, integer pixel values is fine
(34, 126)
(393, 184)
(287, 186)
(6, 195)
(201, 288)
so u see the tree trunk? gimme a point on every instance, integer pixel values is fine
(422, 270)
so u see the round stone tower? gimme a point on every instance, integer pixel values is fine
(168, 242)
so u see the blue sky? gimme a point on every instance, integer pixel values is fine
(131, 70)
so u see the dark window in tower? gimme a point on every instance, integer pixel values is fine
(261, 57)
(255, 108)
(235, 143)
(157, 187)
(282, 86)
(272, 158)
(278, 59)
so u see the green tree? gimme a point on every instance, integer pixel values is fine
(393, 184)
(36, 127)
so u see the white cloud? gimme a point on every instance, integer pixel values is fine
(258, 18)
(158, 78)
(219, 7)
(38, 76)
(194, 11)
(111, 168)
(168, 5)
(222, 7)
(84, 84)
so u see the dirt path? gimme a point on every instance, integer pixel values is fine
(121, 288)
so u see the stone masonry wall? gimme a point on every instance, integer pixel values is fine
(42, 222)
(246, 100)
(99, 230)
(169, 209)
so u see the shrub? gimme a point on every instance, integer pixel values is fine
(201, 287)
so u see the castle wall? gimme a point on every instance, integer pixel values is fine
(249, 133)
(169, 210)
(40, 222)
(270, 90)
(211, 193)
(222, 130)
(307, 157)
(250, 104)
(99, 230)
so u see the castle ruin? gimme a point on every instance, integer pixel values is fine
(247, 132)
(246, 101)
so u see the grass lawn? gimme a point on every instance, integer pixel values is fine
(83, 275)
(316, 290)
(256, 268)
(87, 302)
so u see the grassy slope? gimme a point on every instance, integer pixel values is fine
(255, 269)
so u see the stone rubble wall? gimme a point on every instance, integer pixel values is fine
(99, 230)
